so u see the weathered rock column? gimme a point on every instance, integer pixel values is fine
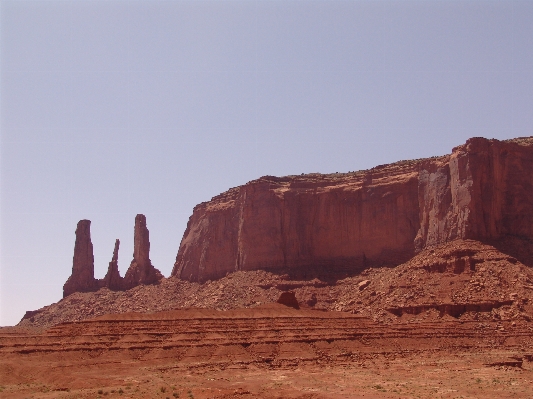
(141, 270)
(112, 279)
(82, 277)
(141, 244)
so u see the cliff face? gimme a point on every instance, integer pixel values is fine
(483, 192)
(310, 222)
(382, 216)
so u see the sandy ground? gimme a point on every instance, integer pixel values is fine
(459, 375)
(268, 352)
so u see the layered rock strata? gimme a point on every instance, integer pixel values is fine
(141, 270)
(267, 335)
(344, 223)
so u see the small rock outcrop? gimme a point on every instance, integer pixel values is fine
(288, 299)
(141, 270)
(112, 279)
(82, 278)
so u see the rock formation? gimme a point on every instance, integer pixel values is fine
(342, 223)
(141, 270)
(288, 298)
(112, 279)
(82, 278)
(482, 191)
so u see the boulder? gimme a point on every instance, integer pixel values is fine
(288, 299)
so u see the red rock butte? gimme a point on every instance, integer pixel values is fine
(346, 222)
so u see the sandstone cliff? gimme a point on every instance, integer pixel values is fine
(343, 223)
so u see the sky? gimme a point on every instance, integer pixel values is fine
(113, 108)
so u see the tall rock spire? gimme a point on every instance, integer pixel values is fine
(82, 277)
(141, 270)
(112, 279)
(141, 242)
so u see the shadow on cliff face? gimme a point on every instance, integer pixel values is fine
(519, 247)
(328, 275)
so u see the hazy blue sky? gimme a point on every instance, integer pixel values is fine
(109, 109)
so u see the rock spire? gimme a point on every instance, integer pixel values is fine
(141, 270)
(112, 279)
(82, 278)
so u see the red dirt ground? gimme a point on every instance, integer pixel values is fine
(454, 322)
(270, 351)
